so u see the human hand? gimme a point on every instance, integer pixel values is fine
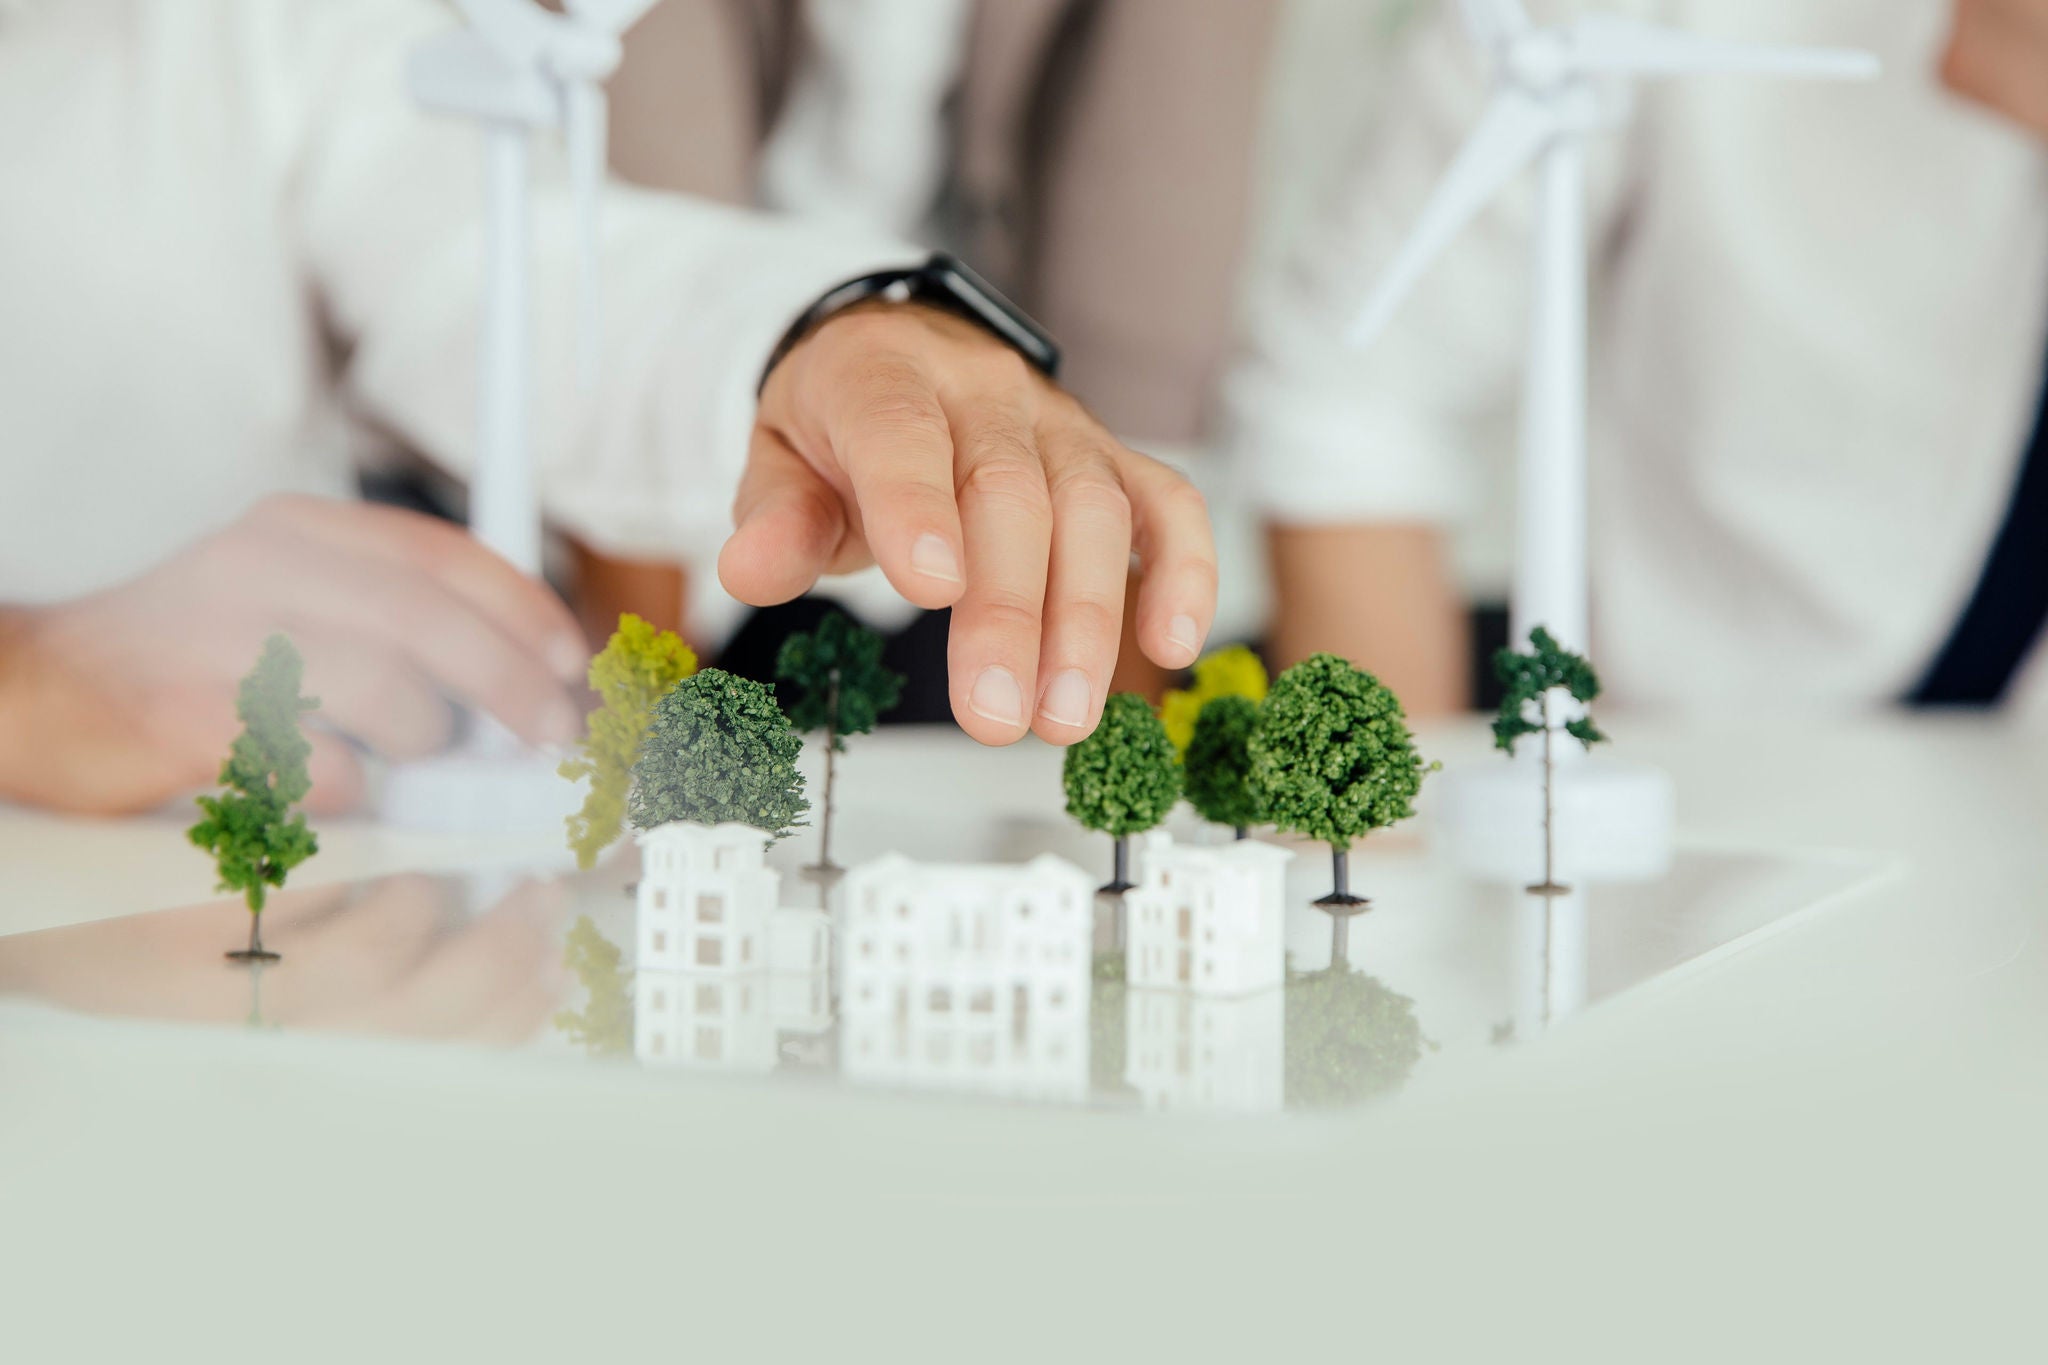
(903, 435)
(1997, 55)
(122, 700)
(392, 957)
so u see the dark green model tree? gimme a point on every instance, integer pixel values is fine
(719, 749)
(1217, 766)
(1530, 681)
(840, 688)
(1123, 779)
(250, 829)
(1332, 759)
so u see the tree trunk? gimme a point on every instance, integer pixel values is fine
(1548, 886)
(1243, 832)
(1120, 879)
(831, 757)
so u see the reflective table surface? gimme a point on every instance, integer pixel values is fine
(1790, 1093)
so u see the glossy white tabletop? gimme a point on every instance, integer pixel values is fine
(1826, 1137)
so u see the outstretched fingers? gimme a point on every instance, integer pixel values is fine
(1176, 561)
(789, 526)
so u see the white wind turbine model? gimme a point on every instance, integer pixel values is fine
(516, 68)
(1553, 88)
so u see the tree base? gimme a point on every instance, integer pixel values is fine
(1115, 888)
(251, 955)
(824, 874)
(1547, 889)
(1342, 903)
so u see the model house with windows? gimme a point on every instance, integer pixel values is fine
(966, 977)
(723, 974)
(1206, 1053)
(1207, 919)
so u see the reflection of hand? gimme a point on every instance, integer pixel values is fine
(1998, 55)
(902, 435)
(385, 961)
(121, 700)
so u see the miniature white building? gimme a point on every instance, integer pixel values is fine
(966, 977)
(1207, 919)
(706, 898)
(722, 972)
(1184, 1051)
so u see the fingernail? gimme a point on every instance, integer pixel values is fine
(931, 556)
(567, 657)
(997, 697)
(1066, 701)
(1183, 631)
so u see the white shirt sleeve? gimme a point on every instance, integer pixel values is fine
(388, 203)
(1322, 433)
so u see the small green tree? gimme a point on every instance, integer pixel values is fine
(841, 689)
(1123, 779)
(635, 669)
(604, 1026)
(1530, 681)
(250, 830)
(719, 749)
(1217, 765)
(1332, 759)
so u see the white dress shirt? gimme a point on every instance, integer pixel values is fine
(1819, 313)
(231, 248)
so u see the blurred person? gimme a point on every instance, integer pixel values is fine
(1091, 156)
(232, 248)
(1819, 312)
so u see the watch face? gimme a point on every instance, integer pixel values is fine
(948, 278)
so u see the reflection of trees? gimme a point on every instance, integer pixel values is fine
(1108, 1028)
(1349, 1038)
(604, 1026)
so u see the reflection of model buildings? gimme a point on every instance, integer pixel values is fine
(1188, 1051)
(722, 971)
(962, 977)
(1208, 919)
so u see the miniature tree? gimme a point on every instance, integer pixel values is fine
(250, 830)
(604, 1026)
(1122, 779)
(1531, 680)
(1332, 759)
(1217, 765)
(1232, 671)
(841, 689)
(635, 669)
(719, 749)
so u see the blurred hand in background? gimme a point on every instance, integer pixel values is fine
(1998, 55)
(124, 699)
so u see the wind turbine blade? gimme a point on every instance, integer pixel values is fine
(1602, 44)
(613, 16)
(586, 131)
(1489, 23)
(1514, 129)
(519, 29)
(458, 72)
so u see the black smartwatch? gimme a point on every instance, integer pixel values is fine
(944, 282)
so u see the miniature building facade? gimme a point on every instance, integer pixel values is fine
(1206, 1053)
(722, 972)
(966, 977)
(706, 898)
(1210, 920)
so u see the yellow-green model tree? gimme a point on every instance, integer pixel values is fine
(250, 829)
(637, 668)
(1232, 671)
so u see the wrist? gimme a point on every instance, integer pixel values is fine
(942, 283)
